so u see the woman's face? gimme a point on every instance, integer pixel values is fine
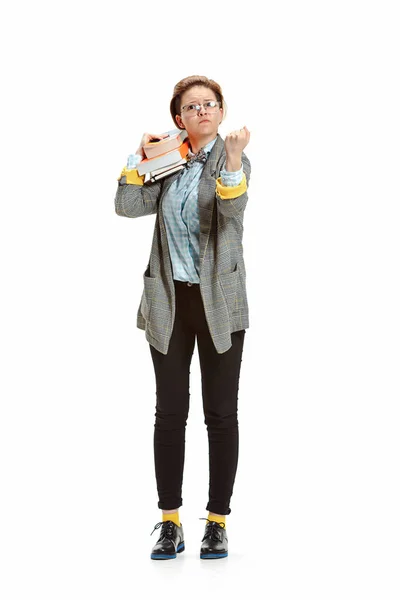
(201, 123)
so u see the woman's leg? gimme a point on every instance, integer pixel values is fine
(172, 371)
(220, 384)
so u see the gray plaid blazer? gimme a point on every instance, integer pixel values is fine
(222, 269)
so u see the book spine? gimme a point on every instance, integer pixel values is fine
(166, 173)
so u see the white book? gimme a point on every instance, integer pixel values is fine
(165, 173)
(158, 171)
(168, 159)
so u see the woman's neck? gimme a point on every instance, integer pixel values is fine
(199, 143)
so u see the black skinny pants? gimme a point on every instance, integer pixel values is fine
(220, 383)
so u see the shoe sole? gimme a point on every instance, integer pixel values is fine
(164, 556)
(223, 555)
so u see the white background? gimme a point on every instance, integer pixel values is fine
(315, 509)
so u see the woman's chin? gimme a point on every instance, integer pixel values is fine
(205, 128)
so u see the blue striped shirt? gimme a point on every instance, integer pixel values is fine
(181, 215)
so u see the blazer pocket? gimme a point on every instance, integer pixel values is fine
(148, 293)
(229, 283)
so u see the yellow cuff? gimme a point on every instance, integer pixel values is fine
(227, 192)
(132, 176)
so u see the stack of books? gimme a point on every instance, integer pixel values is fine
(165, 156)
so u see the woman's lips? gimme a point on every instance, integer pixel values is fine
(205, 121)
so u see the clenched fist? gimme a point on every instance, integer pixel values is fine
(236, 141)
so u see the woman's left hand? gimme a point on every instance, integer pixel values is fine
(236, 141)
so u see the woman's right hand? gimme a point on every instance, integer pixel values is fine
(146, 138)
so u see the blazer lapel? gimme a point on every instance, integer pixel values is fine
(206, 198)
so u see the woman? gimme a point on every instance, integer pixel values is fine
(194, 287)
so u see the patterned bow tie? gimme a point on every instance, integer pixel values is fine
(200, 156)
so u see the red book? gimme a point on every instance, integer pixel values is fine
(175, 137)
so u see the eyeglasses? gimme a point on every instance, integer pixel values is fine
(211, 106)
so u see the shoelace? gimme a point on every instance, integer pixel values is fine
(167, 530)
(200, 156)
(212, 530)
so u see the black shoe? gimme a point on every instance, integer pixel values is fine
(170, 541)
(215, 541)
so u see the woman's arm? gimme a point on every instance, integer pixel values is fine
(135, 199)
(232, 200)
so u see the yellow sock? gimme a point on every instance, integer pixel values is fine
(218, 519)
(172, 517)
